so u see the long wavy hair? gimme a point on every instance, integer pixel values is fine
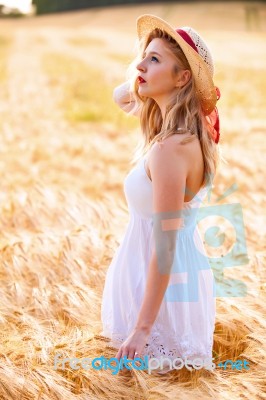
(185, 107)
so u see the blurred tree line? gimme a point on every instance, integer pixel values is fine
(48, 6)
(252, 17)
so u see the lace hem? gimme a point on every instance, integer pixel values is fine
(183, 347)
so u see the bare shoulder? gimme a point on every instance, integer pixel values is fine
(167, 155)
(173, 145)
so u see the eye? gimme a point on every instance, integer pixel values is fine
(152, 57)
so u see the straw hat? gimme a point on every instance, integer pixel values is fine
(197, 53)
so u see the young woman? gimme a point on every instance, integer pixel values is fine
(159, 294)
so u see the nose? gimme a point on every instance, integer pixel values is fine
(141, 66)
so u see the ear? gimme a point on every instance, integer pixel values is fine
(183, 78)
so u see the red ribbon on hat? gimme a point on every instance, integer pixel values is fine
(187, 38)
(212, 118)
(214, 121)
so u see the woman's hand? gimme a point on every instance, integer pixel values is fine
(124, 99)
(135, 343)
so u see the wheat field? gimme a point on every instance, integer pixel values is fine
(64, 152)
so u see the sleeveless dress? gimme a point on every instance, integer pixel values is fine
(185, 323)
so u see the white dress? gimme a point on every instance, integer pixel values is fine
(185, 322)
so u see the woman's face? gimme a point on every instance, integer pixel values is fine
(156, 68)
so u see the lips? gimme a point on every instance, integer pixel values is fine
(141, 80)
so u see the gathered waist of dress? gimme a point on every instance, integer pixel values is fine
(184, 224)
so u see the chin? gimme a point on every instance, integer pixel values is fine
(142, 92)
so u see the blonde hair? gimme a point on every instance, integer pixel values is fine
(186, 107)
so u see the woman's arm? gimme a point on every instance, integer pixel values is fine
(124, 99)
(168, 167)
(154, 293)
(168, 164)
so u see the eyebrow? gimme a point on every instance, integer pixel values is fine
(152, 52)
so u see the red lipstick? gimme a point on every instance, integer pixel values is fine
(141, 80)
